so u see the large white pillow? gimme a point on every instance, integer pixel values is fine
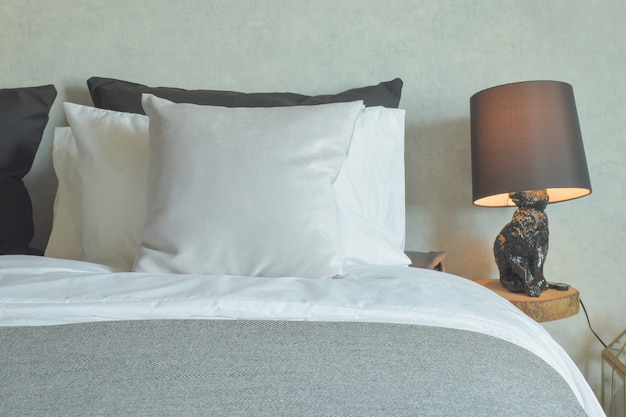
(112, 168)
(369, 188)
(244, 191)
(64, 241)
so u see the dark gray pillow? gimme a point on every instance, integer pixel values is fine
(125, 96)
(16, 216)
(23, 118)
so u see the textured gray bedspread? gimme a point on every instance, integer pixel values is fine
(271, 368)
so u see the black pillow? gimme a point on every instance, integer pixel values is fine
(23, 118)
(16, 216)
(125, 96)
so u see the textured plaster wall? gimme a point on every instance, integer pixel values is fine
(445, 51)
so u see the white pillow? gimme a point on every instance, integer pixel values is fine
(112, 169)
(64, 241)
(244, 191)
(370, 190)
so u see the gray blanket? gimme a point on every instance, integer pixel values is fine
(271, 368)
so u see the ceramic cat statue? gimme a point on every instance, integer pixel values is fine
(521, 247)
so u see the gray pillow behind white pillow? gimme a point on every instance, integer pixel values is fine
(244, 191)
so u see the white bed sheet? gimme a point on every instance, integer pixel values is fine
(46, 291)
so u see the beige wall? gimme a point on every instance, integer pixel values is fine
(445, 50)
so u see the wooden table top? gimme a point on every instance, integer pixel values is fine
(550, 305)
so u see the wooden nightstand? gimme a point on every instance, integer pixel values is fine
(427, 260)
(550, 305)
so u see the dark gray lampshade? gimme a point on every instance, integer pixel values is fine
(526, 136)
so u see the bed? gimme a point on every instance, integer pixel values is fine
(221, 253)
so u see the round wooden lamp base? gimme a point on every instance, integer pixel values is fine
(550, 305)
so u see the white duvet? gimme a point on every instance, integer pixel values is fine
(45, 291)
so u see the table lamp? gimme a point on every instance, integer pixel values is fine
(527, 150)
